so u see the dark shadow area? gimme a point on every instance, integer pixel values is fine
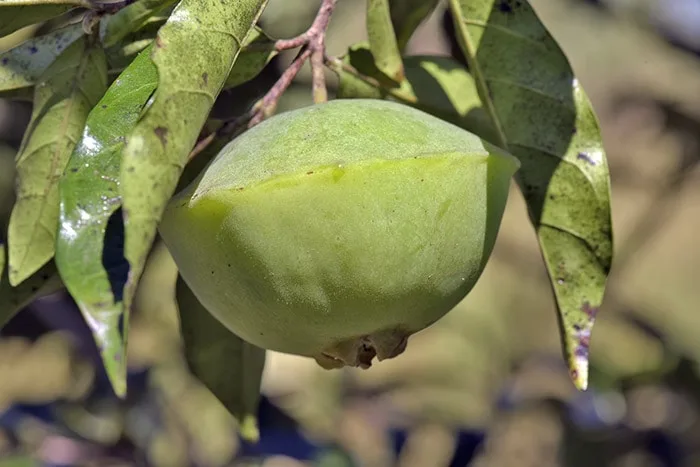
(113, 260)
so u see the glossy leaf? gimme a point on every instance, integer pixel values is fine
(16, 14)
(229, 366)
(89, 196)
(382, 40)
(64, 95)
(407, 15)
(209, 35)
(258, 50)
(540, 113)
(115, 28)
(21, 66)
(12, 299)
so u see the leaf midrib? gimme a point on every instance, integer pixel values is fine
(477, 72)
(76, 87)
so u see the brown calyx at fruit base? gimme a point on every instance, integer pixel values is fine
(360, 351)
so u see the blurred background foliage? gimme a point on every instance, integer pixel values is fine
(486, 385)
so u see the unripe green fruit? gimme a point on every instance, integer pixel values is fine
(337, 230)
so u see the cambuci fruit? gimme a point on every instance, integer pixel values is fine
(338, 230)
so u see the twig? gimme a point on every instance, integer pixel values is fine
(267, 105)
(313, 48)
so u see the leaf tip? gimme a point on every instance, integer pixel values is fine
(249, 428)
(578, 370)
(17, 275)
(116, 373)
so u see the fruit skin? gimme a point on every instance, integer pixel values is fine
(338, 230)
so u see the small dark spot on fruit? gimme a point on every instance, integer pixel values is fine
(310, 172)
(130, 169)
(229, 264)
(35, 289)
(159, 42)
(162, 134)
(33, 50)
(212, 273)
(74, 169)
(5, 61)
(205, 78)
(422, 179)
(104, 106)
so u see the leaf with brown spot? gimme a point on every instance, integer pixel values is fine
(64, 95)
(210, 35)
(540, 113)
(162, 134)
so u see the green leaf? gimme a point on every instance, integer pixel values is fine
(209, 35)
(540, 113)
(116, 27)
(89, 195)
(258, 50)
(12, 299)
(438, 85)
(229, 366)
(22, 66)
(64, 95)
(407, 15)
(120, 56)
(16, 14)
(382, 40)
